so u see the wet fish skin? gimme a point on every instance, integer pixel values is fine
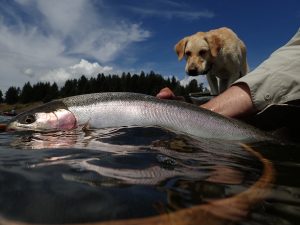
(115, 109)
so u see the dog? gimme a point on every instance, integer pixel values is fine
(218, 53)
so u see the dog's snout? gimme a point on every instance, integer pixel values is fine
(192, 70)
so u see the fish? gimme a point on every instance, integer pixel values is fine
(118, 109)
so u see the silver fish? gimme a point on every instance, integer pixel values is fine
(116, 109)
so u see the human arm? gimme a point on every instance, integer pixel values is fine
(234, 102)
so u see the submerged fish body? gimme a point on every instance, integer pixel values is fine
(115, 109)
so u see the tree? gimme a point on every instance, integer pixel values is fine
(40, 91)
(69, 89)
(193, 86)
(12, 95)
(52, 93)
(123, 82)
(100, 82)
(115, 83)
(142, 83)
(149, 83)
(26, 93)
(83, 85)
(1, 97)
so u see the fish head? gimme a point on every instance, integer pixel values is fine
(52, 116)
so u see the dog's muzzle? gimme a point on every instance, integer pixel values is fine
(194, 72)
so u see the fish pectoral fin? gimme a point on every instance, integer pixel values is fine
(86, 126)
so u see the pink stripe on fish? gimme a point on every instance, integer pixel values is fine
(66, 119)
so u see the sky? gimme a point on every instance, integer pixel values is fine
(56, 40)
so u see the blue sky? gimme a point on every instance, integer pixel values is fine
(55, 40)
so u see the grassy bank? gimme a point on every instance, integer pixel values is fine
(18, 107)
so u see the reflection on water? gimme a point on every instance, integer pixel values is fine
(112, 174)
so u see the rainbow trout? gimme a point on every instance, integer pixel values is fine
(116, 109)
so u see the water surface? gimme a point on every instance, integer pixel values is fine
(122, 173)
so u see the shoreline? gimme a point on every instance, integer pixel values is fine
(18, 107)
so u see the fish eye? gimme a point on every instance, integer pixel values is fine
(29, 119)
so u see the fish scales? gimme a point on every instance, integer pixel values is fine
(142, 110)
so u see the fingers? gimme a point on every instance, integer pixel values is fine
(166, 93)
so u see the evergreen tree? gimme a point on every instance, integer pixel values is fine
(128, 82)
(12, 95)
(107, 83)
(26, 93)
(93, 85)
(115, 83)
(101, 82)
(143, 83)
(1, 97)
(69, 89)
(194, 87)
(174, 83)
(40, 91)
(83, 85)
(176, 87)
(52, 93)
(123, 82)
(155, 83)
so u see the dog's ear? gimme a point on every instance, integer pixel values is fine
(214, 43)
(180, 47)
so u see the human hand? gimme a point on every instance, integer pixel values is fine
(166, 93)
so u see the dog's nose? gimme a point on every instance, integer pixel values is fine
(192, 72)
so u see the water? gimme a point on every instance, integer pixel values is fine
(140, 172)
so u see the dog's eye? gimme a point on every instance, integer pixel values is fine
(188, 53)
(202, 53)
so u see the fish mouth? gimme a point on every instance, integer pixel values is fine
(14, 126)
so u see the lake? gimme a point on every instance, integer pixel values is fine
(145, 173)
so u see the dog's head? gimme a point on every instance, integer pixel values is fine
(200, 51)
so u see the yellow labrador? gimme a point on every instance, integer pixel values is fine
(217, 53)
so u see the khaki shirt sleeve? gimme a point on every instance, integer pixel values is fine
(277, 79)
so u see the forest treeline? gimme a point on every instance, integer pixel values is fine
(149, 83)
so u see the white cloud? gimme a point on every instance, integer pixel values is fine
(42, 38)
(29, 72)
(63, 16)
(23, 2)
(84, 67)
(106, 44)
(173, 12)
(200, 79)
